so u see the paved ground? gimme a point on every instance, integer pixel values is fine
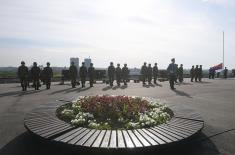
(213, 99)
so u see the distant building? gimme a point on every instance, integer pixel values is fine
(76, 62)
(87, 62)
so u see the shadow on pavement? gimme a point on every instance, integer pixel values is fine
(19, 93)
(107, 88)
(60, 91)
(182, 93)
(159, 85)
(26, 144)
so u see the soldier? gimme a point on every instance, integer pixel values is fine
(172, 69)
(35, 72)
(225, 73)
(73, 74)
(118, 74)
(180, 73)
(125, 73)
(200, 74)
(23, 75)
(144, 72)
(91, 74)
(196, 73)
(149, 73)
(83, 74)
(48, 74)
(192, 73)
(155, 73)
(111, 71)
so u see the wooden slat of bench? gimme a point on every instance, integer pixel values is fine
(187, 128)
(165, 134)
(46, 127)
(43, 122)
(143, 141)
(85, 138)
(155, 138)
(185, 122)
(70, 137)
(165, 139)
(113, 139)
(135, 140)
(99, 139)
(79, 136)
(105, 142)
(40, 117)
(190, 125)
(120, 140)
(92, 139)
(128, 141)
(55, 132)
(67, 134)
(169, 133)
(147, 137)
(179, 132)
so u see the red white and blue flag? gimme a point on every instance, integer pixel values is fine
(218, 67)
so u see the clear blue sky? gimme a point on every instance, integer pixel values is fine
(122, 31)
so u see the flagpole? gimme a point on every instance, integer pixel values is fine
(223, 49)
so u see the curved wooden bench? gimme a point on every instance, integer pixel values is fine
(44, 123)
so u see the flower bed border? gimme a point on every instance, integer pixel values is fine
(44, 123)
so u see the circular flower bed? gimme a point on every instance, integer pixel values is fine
(114, 112)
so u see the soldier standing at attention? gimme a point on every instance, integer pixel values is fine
(181, 73)
(118, 74)
(200, 74)
(196, 73)
(23, 75)
(192, 73)
(73, 72)
(91, 74)
(125, 73)
(155, 73)
(111, 71)
(83, 74)
(172, 69)
(149, 73)
(35, 72)
(143, 72)
(177, 73)
(48, 74)
(225, 73)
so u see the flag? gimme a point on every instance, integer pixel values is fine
(217, 67)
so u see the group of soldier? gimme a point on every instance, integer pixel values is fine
(121, 74)
(83, 72)
(147, 72)
(196, 73)
(35, 74)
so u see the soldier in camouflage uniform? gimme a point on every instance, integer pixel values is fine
(111, 72)
(143, 72)
(118, 74)
(180, 73)
(149, 74)
(35, 73)
(23, 75)
(125, 74)
(73, 74)
(91, 74)
(155, 73)
(48, 74)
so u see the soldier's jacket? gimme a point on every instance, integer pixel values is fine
(125, 71)
(23, 72)
(119, 72)
(111, 70)
(83, 71)
(200, 71)
(155, 70)
(149, 71)
(192, 71)
(180, 70)
(73, 71)
(35, 72)
(47, 72)
(144, 70)
(196, 71)
(91, 71)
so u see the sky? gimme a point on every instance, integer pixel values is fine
(122, 31)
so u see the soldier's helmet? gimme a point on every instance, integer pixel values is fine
(91, 64)
(156, 64)
(118, 65)
(149, 64)
(34, 63)
(125, 64)
(48, 63)
(22, 62)
(111, 63)
(173, 59)
(145, 63)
